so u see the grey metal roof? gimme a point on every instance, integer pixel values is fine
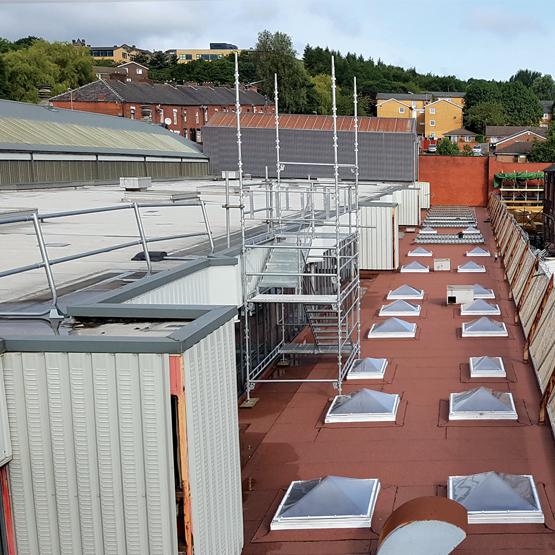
(547, 106)
(159, 93)
(520, 147)
(33, 128)
(460, 131)
(448, 94)
(508, 130)
(404, 96)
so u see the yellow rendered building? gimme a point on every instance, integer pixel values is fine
(440, 117)
(207, 54)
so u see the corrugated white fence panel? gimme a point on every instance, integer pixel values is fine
(5, 441)
(424, 188)
(215, 285)
(408, 212)
(379, 238)
(92, 468)
(213, 443)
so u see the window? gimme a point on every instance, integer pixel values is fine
(174, 116)
(132, 110)
(139, 71)
(467, 139)
(432, 111)
(401, 109)
(196, 117)
(184, 117)
(432, 123)
(546, 116)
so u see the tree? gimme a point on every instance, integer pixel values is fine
(544, 151)
(480, 115)
(544, 87)
(4, 91)
(322, 87)
(521, 105)
(58, 65)
(447, 148)
(479, 91)
(525, 76)
(274, 53)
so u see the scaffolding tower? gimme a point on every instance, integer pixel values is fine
(307, 265)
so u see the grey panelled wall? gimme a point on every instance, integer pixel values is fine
(382, 156)
(92, 468)
(213, 443)
(21, 172)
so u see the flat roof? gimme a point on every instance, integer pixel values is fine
(283, 437)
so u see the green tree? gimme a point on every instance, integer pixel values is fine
(274, 53)
(322, 86)
(521, 105)
(525, 76)
(544, 151)
(544, 87)
(4, 90)
(479, 91)
(58, 65)
(447, 148)
(486, 113)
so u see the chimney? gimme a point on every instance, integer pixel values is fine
(45, 92)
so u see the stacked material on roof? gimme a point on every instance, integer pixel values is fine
(480, 307)
(481, 292)
(329, 502)
(413, 267)
(484, 327)
(497, 498)
(420, 251)
(400, 308)
(482, 403)
(470, 230)
(487, 367)
(368, 369)
(405, 292)
(428, 230)
(478, 251)
(365, 405)
(392, 328)
(471, 267)
(449, 239)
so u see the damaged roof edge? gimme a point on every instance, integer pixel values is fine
(205, 320)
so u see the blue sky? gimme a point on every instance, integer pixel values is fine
(481, 39)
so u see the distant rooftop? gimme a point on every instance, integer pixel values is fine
(420, 96)
(508, 130)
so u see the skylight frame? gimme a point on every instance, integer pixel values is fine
(391, 296)
(353, 374)
(391, 416)
(372, 334)
(462, 270)
(489, 295)
(326, 522)
(427, 230)
(414, 314)
(427, 254)
(472, 254)
(465, 311)
(466, 333)
(406, 270)
(510, 414)
(502, 517)
(473, 361)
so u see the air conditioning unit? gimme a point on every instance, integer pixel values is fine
(230, 174)
(460, 294)
(442, 264)
(135, 183)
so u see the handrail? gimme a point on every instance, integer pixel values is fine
(143, 240)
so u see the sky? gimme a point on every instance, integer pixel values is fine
(489, 40)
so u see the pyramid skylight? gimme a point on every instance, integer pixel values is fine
(480, 307)
(487, 367)
(497, 498)
(478, 251)
(400, 308)
(368, 369)
(420, 251)
(405, 292)
(428, 229)
(329, 502)
(484, 327)
(392, 327)
(414, 267)
(471, 267)
(482, 404)
(470, 230)
(481, 292)
(365, 405)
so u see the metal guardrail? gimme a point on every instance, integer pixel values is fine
(46, 262)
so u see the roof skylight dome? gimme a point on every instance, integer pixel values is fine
(482, 403)
(420, 251)
(414, 267)
(368, 369)
(478, 251)
(471, 267)
(405, 292)
(392, 327)
(365, 405)
(329, 502)
(487, 367)
(481, 292)
(480, 307)
(470, 229)
(497, 498)
(400, 308)
(484, 327)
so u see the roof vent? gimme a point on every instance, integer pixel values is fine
(482, 403)
(400, 308)
(329, 502)
(392, 327)
(471, 267)
(484, 327)
(497, 498)
(487, 367)
(365, 405)
(368, 369)
(414, 267)
(420, 251)
(405, 292)
(480, 307)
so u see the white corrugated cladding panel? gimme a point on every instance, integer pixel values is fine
(92, 468)
(215, 285)
(408, 212)
(213, 443)
(379, 237)
(5, 442)
(424, 188)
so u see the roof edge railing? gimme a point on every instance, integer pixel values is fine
(53, 312)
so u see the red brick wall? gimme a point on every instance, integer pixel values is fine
(466, 180)
(108, 108)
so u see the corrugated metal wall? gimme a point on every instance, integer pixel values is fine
(379, 238)
(213, 444)
(15, 172)
(408, 212)
(424, 188)
(92, 469)
(383, 156)
(5, 442)
(215, 285)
